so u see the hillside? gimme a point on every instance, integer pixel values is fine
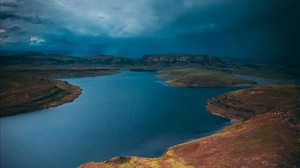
(38, 59)
(148, 61)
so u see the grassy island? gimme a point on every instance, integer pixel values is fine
(201, 77)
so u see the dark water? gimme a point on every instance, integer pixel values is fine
(132, 113)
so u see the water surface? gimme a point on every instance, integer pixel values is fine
(132, 113)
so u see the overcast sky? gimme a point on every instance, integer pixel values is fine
(235, 28)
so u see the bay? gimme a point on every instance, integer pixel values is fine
(131, 113)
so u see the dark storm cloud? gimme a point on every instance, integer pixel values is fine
(6, 15)
(272, 30)
(31, 19)
(250, 29)
(239, 28)
(9, 4)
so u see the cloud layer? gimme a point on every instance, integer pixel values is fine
(136, 27)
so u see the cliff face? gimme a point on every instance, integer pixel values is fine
(183, 59)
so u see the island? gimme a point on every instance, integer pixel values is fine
(202, 77)
(265, 133)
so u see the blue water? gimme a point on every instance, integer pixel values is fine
(132, 113)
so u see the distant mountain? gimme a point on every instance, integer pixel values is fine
(246, 60)
(288, 60)
(107, 60)
(181, 60)
(153, 62)
(35, 58)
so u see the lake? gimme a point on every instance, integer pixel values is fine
(131, 113)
